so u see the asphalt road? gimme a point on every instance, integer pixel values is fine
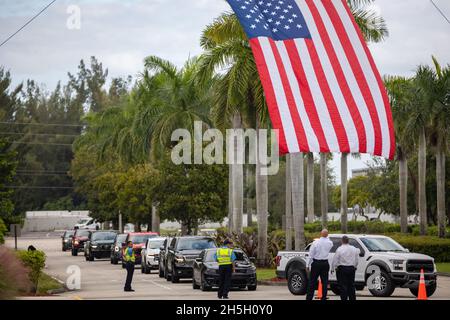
(102, 280)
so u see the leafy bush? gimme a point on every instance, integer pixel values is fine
(435, 247)
(13, 275)
(35, 261)
(3, 230)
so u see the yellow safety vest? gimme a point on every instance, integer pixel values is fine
(224, 256)
(127, 257)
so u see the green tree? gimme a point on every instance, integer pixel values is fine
(8, 166)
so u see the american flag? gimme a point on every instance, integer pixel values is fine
(321, 84)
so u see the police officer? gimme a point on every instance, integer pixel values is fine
(129, 258)
(318, 264)
(225, 257)
(345, 261)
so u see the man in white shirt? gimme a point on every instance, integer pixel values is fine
(345, 262)
(318, 264)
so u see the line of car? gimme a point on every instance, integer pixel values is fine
(175, 258)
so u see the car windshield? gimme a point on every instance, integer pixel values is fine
(83, 221)
(382, 245)
(155, 244)
(82, 233)
(68, 234)
(103, 236)
(121, 238)
(196, 244)
(140, 238)
(240, 256)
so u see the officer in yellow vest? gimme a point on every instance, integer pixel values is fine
(129, 258)
(225, 257)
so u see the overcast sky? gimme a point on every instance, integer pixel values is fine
(121, 33)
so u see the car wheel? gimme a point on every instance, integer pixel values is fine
(142, 268)
(161, 272)
(64, 249)
(382, 285)
(430, 290)
(252, 287)
(147, 270)
(115, 261)
(297, 282)
(74, 252)
(203, 285)
(91, 257)
(335, 288)
(86, 258)
(123, 266)
(167, 274)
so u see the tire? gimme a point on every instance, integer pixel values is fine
(430, 290)
(384, 286)
(335, 288)
(123, 266)
(195, 286)
(297, 282)
(142, 269)
(91, 257)
(74, 252)
(161, 272)
(115, 261)
(86, 258)
(203, 286)
(252, 287)
(175, 279)
(64, 249)
(147, 270)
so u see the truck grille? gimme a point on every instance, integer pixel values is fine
(417, 265)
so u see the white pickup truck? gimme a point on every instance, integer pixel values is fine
(383, 266)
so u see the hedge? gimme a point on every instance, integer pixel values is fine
(3, 230)
(435, 247)
(35, 262)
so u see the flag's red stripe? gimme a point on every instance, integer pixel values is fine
(336, 119)
(269, 93)
(341, 79)
(307, 97)
(387, 105)
(359, 74)
(299, 130)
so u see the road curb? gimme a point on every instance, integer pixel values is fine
(271, 283)
(61, 290)
(443, 274)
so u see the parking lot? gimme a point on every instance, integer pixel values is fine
(102, 280)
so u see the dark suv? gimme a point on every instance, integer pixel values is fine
(79, 238)
(66, 239)
(163, 257)
(116, 249)
(99, 245)
(182, 253)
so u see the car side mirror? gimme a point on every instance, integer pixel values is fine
(362, 254)
(161, 248)
(198, 259)
(407, 250)
(252, 259)
(124, 244)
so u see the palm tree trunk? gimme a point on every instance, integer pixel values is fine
(262, 205)
(310, 186)
(238, 182)
(249, 208)
(230, 198)
(288, 204)
(403, 186)
(156, 222)
(440, 181)
(422, 182)
(344, 202)
(298, 200)
(324, 189)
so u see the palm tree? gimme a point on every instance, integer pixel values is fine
(399, 89)
(298, 199)
(238, 90)
(434, 84)
(374, 29)
(310, 186)
(288, 204)
(324, 189)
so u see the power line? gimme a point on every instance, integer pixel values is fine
(42, 124)
(28, 22)
(44, 144)
(440, 11)
(38, 187)
(40, 134)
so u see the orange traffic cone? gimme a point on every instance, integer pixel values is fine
(319, 291)
(422, 294)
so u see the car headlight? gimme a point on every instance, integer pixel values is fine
(94, 247)
(76, 242)
(179, 259)
(397, 263)
(65, 240)
(116, 249)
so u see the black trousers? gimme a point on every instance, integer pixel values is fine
(130, 271)
(346, 279)
(225, 273)
(319, 268)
